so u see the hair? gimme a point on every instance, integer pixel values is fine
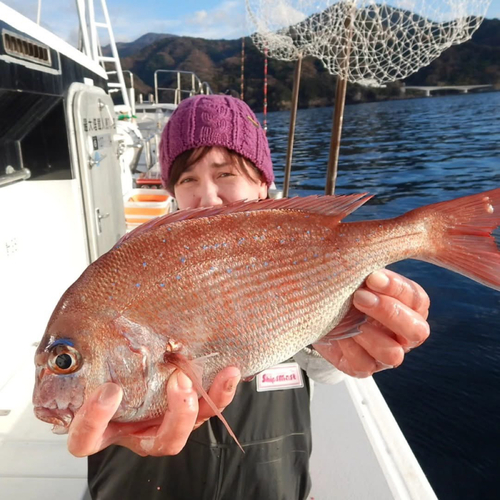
(191, 156)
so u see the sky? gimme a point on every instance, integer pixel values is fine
(132, 18)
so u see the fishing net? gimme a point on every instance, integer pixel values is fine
(362, 41)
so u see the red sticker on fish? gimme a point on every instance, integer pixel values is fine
(279, 377)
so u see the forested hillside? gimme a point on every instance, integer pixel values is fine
(218, 62)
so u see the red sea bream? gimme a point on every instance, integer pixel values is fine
(246, 285)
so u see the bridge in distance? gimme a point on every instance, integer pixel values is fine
(463, 89)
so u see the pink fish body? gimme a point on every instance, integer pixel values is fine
(247, 285)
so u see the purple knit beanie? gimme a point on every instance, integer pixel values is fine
(215, 120)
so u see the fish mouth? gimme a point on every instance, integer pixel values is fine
(61, 418)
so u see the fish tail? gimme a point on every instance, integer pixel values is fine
(467, 245)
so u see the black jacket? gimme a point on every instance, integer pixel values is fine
(274, 429)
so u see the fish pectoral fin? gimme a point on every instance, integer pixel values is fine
(193, 368)
(348, 327)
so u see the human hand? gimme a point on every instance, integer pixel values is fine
(397, 310)
(92, 430)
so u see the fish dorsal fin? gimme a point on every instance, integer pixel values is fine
(337, 207)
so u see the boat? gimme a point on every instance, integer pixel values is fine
(68, 159)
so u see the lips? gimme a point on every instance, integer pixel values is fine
(60, 417)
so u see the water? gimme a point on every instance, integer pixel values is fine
(446, 395)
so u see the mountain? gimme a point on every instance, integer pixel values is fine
(476, 61)
(129, 48)
(218, 62)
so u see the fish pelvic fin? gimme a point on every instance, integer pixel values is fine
(336, 206)
(194, 370)
(468, 246)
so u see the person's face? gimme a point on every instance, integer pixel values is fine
(215, 181)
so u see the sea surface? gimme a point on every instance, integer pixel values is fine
(409, 153)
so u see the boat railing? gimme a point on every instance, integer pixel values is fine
(194, 85)
(12, 175)
(206, 89)
(130, 89)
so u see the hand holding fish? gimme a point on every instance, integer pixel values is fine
(397, 309)
(92, 429)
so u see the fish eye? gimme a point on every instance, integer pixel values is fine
(64, 359)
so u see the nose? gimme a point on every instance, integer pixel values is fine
(208, 195)
(41, 371)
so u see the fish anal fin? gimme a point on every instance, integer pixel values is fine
(193, 368)
(348, 327)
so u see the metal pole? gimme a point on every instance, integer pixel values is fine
(178, 91)
(131, 98)
(156, 86)
(131, 90)
(84, 30)
(291, 131)
(148, 153)
(338, 118)
(338, 114)
(93, 32)
(39, 12)
(265, 91)
(242, 83)
(14, 176)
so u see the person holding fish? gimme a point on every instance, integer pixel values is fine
(214, 152)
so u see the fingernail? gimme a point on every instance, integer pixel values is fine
(146, 445)
(379, 280)
(365, 298)
(382, 366)
(109, 394)
(184, 382)
(414, 343)
(385, 365)
(231, 383)
(425, 327)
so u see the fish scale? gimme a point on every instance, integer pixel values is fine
(285, 322)
(230, 292)
(247, 285)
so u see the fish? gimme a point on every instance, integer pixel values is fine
(248, 285)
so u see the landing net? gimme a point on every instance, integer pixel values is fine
(362, 41)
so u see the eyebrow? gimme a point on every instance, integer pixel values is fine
(212, 165)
